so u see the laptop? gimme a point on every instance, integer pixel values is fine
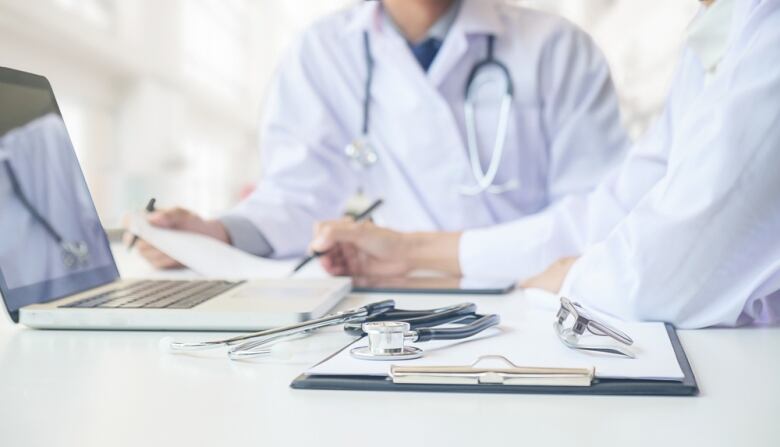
(56, 266)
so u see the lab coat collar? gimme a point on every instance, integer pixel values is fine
(480, 17)
(474, 17)
(440, 28)
(367, 16)
(708, 34)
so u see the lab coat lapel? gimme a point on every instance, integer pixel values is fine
(451, 53)
(413, 122)
(414, 127)
(478, 17)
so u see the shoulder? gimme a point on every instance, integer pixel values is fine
(327, 31)
(546, 31)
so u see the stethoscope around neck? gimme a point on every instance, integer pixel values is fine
(75, 254)
(363, 155)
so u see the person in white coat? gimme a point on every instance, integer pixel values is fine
(685, 230)
(48, 223)
(393, 74)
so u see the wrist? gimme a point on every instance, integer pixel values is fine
(433, 251)
(216, 229)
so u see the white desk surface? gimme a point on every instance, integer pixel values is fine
(69, 388)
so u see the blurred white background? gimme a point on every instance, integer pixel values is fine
(162, 98)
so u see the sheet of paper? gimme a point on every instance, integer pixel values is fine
(212, 258)
(526, 337)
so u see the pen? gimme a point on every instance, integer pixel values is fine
(363, 215)
(149, 209)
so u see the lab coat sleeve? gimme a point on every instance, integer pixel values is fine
(306, 176)
(245, 235)
(684, 253)
(525, 247)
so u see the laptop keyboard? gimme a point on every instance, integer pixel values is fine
(156, 294)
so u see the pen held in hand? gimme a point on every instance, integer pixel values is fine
(362, 216)
(149, 208)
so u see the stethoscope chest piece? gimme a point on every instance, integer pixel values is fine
(361, 153)
(75, 255)
(386, 341)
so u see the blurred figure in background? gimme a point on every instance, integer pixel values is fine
(388, 81)
(49, 226)
(684, 231)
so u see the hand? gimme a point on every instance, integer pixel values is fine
(552, 278)
(360, 249)
(176, 219)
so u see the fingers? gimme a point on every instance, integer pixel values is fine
(333, 262)
(175, 218)
(363, 248)
(364, 235)
(357, 262)
(328, 234)
(155, 257)
(353, 260)
(127, 238)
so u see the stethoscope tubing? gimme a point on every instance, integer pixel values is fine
(16, 187)
(422, 321)
(255, 339)
(480, 323)
(417, 318)
(484, 178)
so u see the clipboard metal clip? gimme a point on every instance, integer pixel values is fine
(509, 374)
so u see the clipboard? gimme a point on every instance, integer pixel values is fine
(545, 385)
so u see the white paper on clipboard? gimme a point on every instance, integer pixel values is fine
(526, 337)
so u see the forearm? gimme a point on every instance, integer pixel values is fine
(433, 251)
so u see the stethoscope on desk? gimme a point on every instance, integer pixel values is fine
(75, 254)
(387, 329)
(363, 155)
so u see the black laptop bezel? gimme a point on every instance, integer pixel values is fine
(51, 290)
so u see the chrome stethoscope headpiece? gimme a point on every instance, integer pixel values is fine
(386, 341)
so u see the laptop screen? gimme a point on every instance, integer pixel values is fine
(51, 241)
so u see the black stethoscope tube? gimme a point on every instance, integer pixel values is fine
(480, 323)
(416, 318)
(489, 60)
(17, 189)
(369, 79)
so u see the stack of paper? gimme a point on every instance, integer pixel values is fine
(212, 258)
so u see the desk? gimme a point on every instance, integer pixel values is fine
(68, 388)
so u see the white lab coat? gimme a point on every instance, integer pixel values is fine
(686, 230)
(564, 132)
(48, 172)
